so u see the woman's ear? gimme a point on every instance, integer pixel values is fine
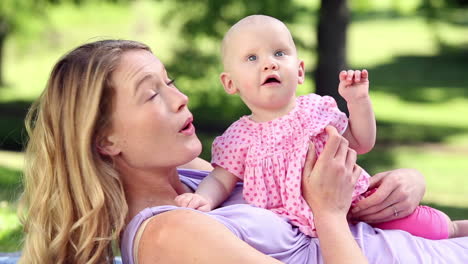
(301, 73)
(107, 145)
(227, 82)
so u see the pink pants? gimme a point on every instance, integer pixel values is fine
(424, 222)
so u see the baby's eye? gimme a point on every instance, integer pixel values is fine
(252, 58)
(279, 54)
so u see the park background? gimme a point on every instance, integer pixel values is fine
(415, 50)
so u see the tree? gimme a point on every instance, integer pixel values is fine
(4, 30)
(331, 49)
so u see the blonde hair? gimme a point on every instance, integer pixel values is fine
(73, 205)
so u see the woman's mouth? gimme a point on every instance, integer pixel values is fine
(189, 128)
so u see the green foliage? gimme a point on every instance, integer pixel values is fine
(11, 8)
(214, 18)
(18, 14)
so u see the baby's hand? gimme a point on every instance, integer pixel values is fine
(354, 85)
(193, 200)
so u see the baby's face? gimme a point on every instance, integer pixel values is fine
(261, 60)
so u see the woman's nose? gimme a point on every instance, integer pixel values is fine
(178, 100)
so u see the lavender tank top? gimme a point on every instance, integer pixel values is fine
(275, 236)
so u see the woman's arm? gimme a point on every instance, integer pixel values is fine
(185, 236)
(327, 186)
(337, 244)
(397, 195)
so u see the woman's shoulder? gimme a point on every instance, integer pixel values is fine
(187, 229)
(166, 231)
(167, 225)
(161, 227)
(182, 236)
(136, 227)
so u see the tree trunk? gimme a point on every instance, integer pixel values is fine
(331, 48)
(3, 35)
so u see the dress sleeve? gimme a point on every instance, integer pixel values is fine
(337, 118)
(324, 111)
(229, 151)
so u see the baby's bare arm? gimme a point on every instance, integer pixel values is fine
(217, 186)
(211, 192)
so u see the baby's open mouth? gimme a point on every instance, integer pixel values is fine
(271, 80)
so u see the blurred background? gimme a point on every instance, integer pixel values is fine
(416, 52)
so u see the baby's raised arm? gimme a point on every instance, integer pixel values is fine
(361, 131)
(211, 192)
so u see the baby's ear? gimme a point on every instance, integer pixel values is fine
(301, 72)
(227, 82)
(107, 145)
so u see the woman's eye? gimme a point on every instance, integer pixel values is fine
(279, 54)
(152, 96)
(252, 58)
(171, 82)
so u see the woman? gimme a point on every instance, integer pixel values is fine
(106, 137)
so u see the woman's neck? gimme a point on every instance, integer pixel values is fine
(145, 189)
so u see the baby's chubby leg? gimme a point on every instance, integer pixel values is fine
(424, 222)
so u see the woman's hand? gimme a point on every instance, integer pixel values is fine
(327, 186)
(398, 194)
(328, 182)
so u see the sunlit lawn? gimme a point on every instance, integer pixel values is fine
(10, 167)
(421, 104)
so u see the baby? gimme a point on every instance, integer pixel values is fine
(267, 149)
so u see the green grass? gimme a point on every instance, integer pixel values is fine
(443, 168)
(10, 188)
(445, 173)
(10, 229)
(389, 107)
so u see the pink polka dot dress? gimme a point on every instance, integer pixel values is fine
(269, 156)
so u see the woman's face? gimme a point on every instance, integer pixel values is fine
(151, 124)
